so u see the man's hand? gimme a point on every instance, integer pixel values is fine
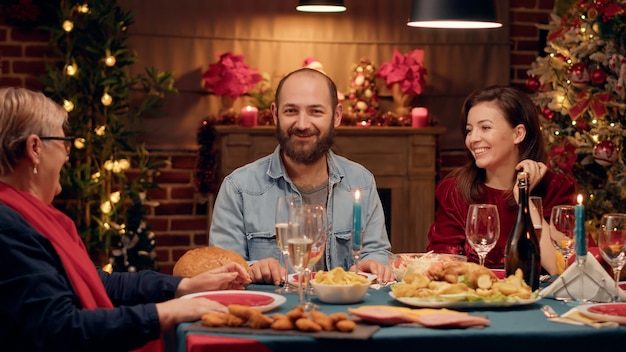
(267, 271)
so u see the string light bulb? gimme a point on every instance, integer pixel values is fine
(68, 105)
(84, 8)
(71, 69)
(109, 61)
(67, 25)
(106, 99)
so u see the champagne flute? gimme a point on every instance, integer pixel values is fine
(562, 224)
(283, 206)
(482, 229)
(305, 225)
(317, 253)
(612, 244)
(536, 214)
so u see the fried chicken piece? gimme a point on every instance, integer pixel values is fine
(233, 320)
(244, 312)
(335, 317)
(213, 320)
(282, 322)
(345, 325)
(296, 313)
(260, 321)
(308, 325)
(323, 320)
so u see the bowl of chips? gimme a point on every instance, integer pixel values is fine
(401, 263)
(338, 286)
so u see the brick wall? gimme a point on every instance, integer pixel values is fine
(180, 221)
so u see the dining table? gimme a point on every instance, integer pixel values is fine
(511, 328)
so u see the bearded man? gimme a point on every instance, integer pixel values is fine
(306, 112)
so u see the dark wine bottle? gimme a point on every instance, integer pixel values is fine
(522, 247)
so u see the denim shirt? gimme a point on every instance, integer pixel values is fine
(243, 215)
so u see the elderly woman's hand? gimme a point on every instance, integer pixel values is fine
(535, 169)
(230, 276)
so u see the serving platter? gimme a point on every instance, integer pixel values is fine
(263, 301)
(615, 312)
(459, 301)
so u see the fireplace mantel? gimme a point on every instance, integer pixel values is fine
(402, 159)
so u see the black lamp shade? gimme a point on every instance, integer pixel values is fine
(321, 6)
(463, 14)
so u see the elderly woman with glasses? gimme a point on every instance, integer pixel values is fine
(54, 298)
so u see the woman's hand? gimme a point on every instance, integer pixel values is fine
(535, 169)
(230, 276)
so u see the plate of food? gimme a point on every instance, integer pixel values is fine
(294, 278)
(615, 312)
(462, 301)
(462, 285)
(263, 301)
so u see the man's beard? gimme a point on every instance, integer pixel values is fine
(294, 149)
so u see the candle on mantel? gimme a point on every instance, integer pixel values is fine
(249, 116)
(419, 117)
(580, 239)
(356, 223)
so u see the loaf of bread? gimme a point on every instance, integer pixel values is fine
(198, 260)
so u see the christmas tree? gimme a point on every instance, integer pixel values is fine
(105, 181)
(579, 87)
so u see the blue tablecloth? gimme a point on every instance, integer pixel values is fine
(522, 328)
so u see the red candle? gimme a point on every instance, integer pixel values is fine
(249, 116)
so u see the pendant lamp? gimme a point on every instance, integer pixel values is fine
(321, 6)
(455, 14)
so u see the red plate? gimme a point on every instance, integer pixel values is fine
(263, 301)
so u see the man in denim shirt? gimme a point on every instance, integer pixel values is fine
(306, 112)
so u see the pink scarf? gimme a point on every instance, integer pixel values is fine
(61, 232)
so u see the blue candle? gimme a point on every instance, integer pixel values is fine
(580, 239)
(356, 223)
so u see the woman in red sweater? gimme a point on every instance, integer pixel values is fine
(502, 136)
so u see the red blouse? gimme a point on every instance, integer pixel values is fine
(447, 233)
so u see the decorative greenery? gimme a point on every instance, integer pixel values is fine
(580, 89)
(108, 174)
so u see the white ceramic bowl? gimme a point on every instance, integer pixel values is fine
(418, 262)
(340, 294)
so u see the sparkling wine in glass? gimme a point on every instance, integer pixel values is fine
(305, 226)
(283, 206)
(315, 262)
(612, 244)
(562, 224)
(482, 229)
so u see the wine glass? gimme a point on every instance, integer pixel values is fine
(305, 227)
(283, 205)
(315, 262)
(562, 224)
(612, 244)
(482, 229)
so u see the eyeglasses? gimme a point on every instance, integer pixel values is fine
(68, 141)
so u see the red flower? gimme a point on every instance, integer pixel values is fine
(406, 70)
(230, 76)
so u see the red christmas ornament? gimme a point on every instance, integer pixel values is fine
(547, 113)
(578, 74)
(605, 153)
(598, 76)
(532, 84)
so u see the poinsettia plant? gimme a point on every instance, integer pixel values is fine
(230, 76)
(407, 70)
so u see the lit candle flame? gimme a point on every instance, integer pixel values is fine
(357, 195)
(580, 199)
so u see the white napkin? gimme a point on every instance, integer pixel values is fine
(598, 284)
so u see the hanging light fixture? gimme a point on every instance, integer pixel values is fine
(456, 14)
(321, 6)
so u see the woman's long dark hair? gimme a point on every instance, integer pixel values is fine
(517, 108)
